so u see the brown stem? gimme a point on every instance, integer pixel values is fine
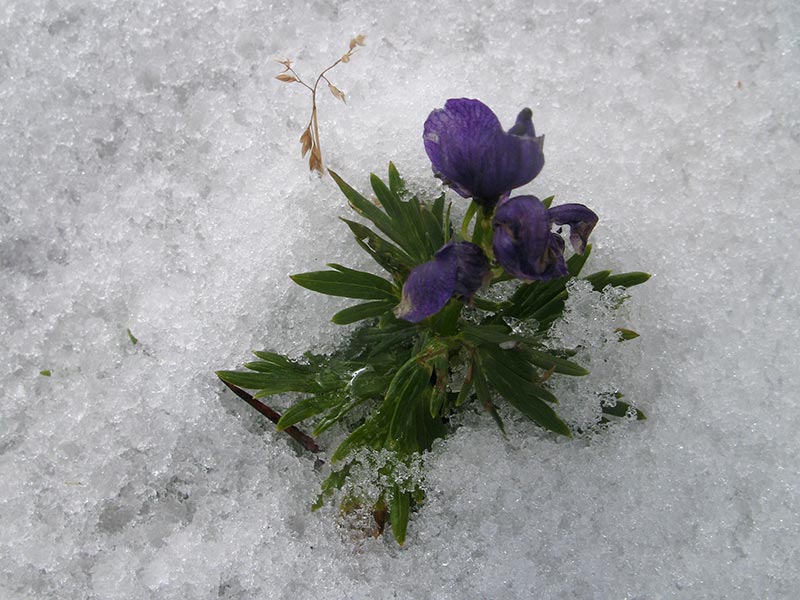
(300, 81)
(316, 127)
(305, 440)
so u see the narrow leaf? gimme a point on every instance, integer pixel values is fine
(627, 280)
(368, 210)
(576, 261)
(598, 280)
(466, 387)
(399, 512)
(365, 278)
(547, 361)
(362, 311)
(524, 396)
(387, 255)
(269, 383)
(306, 408)
(332, 482)
(396, 183)
(345, 284)
(485, 398)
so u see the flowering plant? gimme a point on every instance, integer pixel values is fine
(443, 331)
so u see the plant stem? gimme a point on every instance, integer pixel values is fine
(305, 440)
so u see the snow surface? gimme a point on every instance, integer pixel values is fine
(150, 179)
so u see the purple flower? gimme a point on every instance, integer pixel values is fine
(471, 153)
(457, 269)
(524, 244)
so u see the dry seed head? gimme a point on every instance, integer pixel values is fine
(357, 41)
(337, 93)
(315, 160)
(286, 78)
(306, 141)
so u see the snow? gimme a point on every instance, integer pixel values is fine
(151, 179)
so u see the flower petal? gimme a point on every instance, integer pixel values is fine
(581, 221)
(523, 243)
(457, 269)
(472, 269)
(428, 288)
(471, 153)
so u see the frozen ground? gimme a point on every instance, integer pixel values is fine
(150, 179)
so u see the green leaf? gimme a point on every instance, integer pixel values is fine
(277, 360)
(472, 210)
(410, 221)
(308, 407)
(389, 201)
(366, 279)
(289, 370)
(367, 383)
(626, 334)
(576, 261)
(361, 436)
(489, 337)
(335, 415)
(620, 409)
(466, 387)
(546, 361)
(548, 201)
(385, 339)
(270, 383)
(348, 283)
(361, 311)
(405, 391)
(45, 373)
(509, 373)
(437, 208)
(387, 255)
(447, 228)
(396, 183)
(368, 210)
(332, 482)
(132, 338)
(445, 322)
(485, 397)
(531, 297)
(441, 372)
(598, 280)
(554, 307)
(399, 510)
(438, 397)
(525, 396)
(431, 230)
(627, 280)
(480, 335)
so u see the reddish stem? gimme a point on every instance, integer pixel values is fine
(305, 440)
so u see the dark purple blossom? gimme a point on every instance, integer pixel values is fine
(524, 243)
(580, 219)
(457, 269)
(471, 153)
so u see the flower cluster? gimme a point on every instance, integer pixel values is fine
(471, 153)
